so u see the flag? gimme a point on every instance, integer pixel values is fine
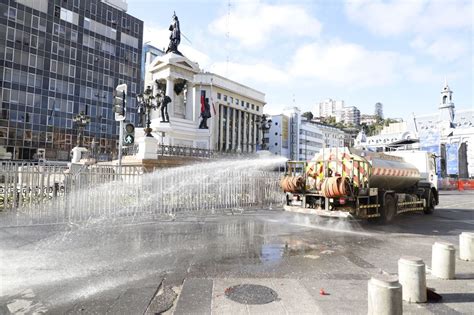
(203, 99)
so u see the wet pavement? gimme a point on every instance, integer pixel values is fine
(314, 265)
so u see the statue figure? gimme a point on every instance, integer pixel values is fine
(175, 37)
(164, 101)
(205, 114)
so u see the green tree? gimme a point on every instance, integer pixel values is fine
(308, 115)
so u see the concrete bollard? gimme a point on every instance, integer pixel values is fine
(466, 246)
(412, 274)
(384, 295)
(443, 260)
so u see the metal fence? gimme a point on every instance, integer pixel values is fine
(45, 194)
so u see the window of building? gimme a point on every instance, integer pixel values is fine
(14, 96)
(258, 108)
(49, 136)
(109, 16)
(236, 101)
(31, 79)
(248, 104)
(9, 54)
(10, 34)
(93, 9)
(124, 22)
(136, 28)
(76, 3)
(89, 76)
(52, 84)
(231, 99)
(253, 106)
(74, 36)
(219, 95)
(32, 62)
(54, 48)
(34, 22)
(88, 92)
(242, 103)
(53, 66)
(7, 75)
(70, 88)
(72, 71)
(33, 41)
(29, 99)
(225, 98)
(73, 53)
(12, 13)
(70, 106)
(134, 87)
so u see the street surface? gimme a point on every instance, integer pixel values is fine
(189, 264)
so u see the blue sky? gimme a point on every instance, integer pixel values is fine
(301, 52)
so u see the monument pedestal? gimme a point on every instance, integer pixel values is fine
(147, 147)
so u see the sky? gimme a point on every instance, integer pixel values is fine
(301, 52)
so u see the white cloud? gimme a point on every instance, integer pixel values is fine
(444, 48)
(402, 16)
(259, 72)
(345, 64)
(253, 23)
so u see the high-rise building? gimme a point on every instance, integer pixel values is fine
(351, 115)
(330, 107)
(378, 110)
(59, 58)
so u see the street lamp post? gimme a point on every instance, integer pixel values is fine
(263, 124)
(146, 103)
(81, 121)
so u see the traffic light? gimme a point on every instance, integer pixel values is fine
(120, 102)
(129, 135)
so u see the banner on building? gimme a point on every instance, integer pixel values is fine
(430, 141)
(452, 159)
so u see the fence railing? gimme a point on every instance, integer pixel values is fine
(44, 194)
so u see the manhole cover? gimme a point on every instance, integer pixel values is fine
(251, 294)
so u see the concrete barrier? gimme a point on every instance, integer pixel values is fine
(384, 295)
(466, 246)
(443, 260)
(412, 275)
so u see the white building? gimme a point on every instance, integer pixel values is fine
(351, 115)
(296, 138)
(330, 107)
(437, 131)
(235, 108)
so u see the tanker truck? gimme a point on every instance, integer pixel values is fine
(349, 182)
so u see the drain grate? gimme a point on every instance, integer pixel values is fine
(251, 294)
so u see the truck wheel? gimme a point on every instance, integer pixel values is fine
(389, 209)
(431, 203)
(387, 212)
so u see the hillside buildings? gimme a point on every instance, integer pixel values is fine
(350, 115)
(60, 58)
(297, 138)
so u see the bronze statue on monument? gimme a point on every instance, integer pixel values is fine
(175, 37)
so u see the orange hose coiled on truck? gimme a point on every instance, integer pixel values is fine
(335, 187)
(292, 184)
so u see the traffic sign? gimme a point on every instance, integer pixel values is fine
(128, 139)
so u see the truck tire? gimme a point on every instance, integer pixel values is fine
(387, 212)
(431, 202)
